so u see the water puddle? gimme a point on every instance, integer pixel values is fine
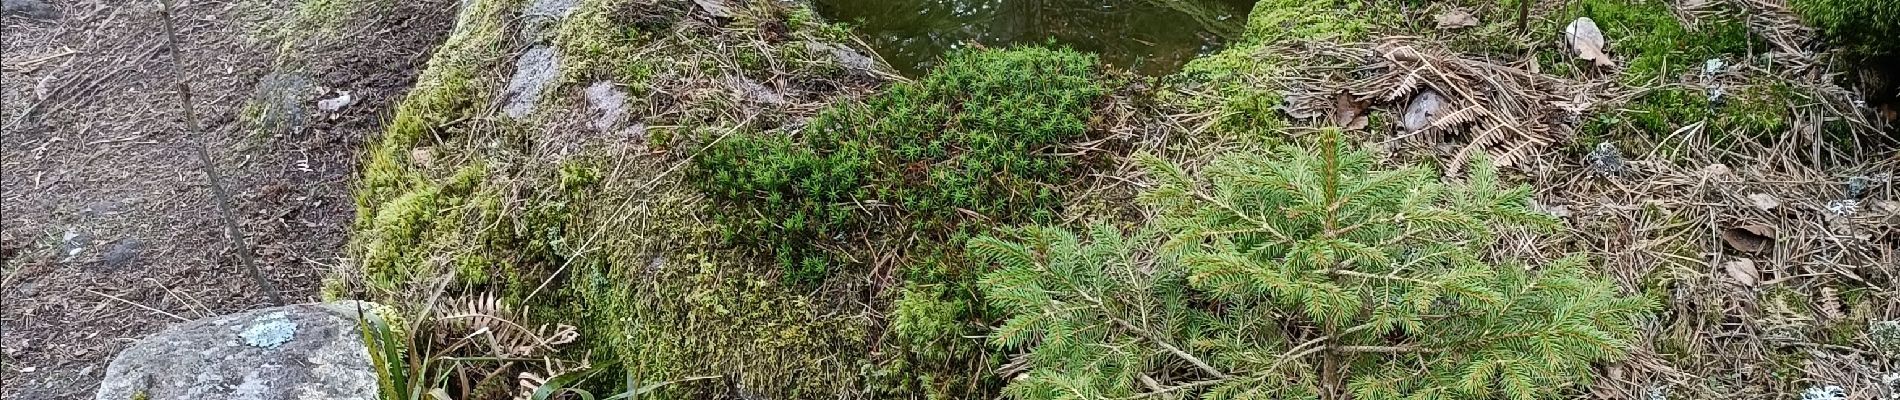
(1148, 36)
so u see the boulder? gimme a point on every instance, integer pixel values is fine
(300, 352)
(35, 9)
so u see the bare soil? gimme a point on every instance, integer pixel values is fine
(108, 227)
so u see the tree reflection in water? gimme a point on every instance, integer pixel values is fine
(1148, 36)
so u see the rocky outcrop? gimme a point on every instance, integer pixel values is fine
(296, 352)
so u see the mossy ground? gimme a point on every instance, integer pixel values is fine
(601, 230)
(811, 248)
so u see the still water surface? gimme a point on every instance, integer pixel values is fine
(1148, 36)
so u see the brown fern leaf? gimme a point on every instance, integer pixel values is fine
(560, 335)
(1459, 118)
(1405, 86)
(1480, 142)
(527, 383)
(1515, 153)
(472, 314)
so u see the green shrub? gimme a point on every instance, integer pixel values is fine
(975, 136)
(1305, 273)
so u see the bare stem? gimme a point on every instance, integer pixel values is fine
(204, 159)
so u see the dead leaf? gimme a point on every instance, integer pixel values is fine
(1716, 171)
(1426, 107)
(1744, 271)
(717, 8)
(1764, 201)
(1456, 18)
(1751, 238)
(1349, 113)
(423, 157)
(1587, 41)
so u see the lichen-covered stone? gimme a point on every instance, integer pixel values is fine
(534, 71)
(296, 352)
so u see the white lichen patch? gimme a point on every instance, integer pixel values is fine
(269, 331)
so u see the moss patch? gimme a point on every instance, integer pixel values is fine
(974, 139)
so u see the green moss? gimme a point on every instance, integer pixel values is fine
(973, 137)
(1275, 21)
(1650, 43)
(398, 243)
(446, 92)
(665, 302)
(605, 38)
(1758, 112)
(1865, 28)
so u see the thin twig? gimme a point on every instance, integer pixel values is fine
(229, 215)
(147, 308)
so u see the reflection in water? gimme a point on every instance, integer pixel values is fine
(1148, 36)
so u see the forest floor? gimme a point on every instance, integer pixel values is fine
(111, 231)
(1769, 241)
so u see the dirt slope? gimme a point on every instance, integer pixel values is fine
(110, 231)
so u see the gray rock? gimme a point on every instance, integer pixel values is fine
(715, 8)
(539, 18)
(122, 252)
(1424, 109)
(608, 104)
(556, 9)
(300, 352)
(534, 71)
(844, 56)
(35, 9)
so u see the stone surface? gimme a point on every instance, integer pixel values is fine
(296, 352)
(550, 8)
(844, 56)
(534, 71)
(607, 103)
(36, 9)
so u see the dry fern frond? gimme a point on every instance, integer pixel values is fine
(1463, 116)
(1406, 86)
(485, 320)
(527, 382)
(1499, 110)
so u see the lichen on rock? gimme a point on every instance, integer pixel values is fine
(296, 352)
(269, 331)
